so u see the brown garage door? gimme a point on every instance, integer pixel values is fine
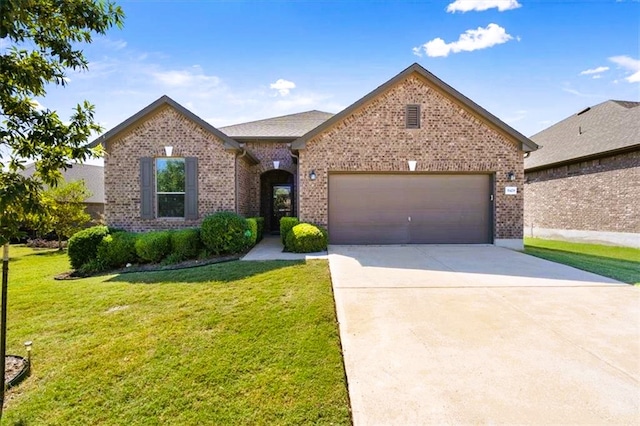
(409, 208)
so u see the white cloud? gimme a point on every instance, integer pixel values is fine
(577, 93)
(629, 64)
(469, 41)
(597, 70)
(193, 77)
(480, 5)
(283, 86)
(597, 76)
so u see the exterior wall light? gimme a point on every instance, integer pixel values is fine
(412, 165)
(168, 150)
(511, 176)
(313, 175)
(276, 164)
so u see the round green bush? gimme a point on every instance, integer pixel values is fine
(185, 244)
(83, 245)
(118, 249)
(153, 246)
(225, 233)
(253, 227)
(306, 238)
(286, 224)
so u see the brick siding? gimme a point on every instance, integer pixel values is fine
(216, 169)
(596, 195)
(451, 139)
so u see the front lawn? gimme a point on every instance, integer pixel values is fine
(232, 343)
(619, 263)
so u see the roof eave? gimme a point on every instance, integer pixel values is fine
(595, 156)
(526, 144)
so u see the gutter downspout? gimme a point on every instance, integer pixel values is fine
(297, 188)
(238, 157)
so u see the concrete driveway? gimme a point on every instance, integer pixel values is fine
(484, 335)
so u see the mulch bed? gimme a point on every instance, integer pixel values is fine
(75, 275)
(13, 365)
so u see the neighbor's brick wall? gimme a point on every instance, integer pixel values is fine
(597, 195)
(216, 180)
(450, 139)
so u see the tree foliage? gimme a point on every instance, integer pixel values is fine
(62, 210)
(41, 40)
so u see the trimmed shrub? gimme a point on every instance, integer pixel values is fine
(153, 246)
(83, 245)
(286, 224)
(253, 227)
(185, 244)
(116, 250)
(306, 238)
(260, 222)
(225, 233)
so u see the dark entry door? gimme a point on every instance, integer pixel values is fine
(281, 204)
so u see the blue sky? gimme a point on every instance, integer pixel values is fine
(531, 63)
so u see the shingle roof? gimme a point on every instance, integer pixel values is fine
(93, 178)
(286, 126)
(609, 126)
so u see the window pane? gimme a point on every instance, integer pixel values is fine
(170, 205)
(170, 174)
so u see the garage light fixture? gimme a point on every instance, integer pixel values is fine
(511, 176)
(168, 150)
(412, 165)
(312, 175)
(276, 164)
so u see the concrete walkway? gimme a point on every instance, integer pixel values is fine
(483, 335)
(270, 248)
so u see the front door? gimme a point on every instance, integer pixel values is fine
(281, 205)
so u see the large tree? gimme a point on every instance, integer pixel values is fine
(41, 40)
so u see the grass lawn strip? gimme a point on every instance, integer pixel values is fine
(233, 343)
(619, 263)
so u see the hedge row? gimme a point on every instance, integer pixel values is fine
(100, 248)
(302, 237)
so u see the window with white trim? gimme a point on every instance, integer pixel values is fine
(170, 187)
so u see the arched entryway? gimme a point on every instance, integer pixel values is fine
(277, 198)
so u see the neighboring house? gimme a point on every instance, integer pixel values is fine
(414, 161)
(583, 184)
(93, 177)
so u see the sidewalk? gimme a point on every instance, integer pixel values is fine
(270, 248)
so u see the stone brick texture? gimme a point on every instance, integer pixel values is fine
(166, 127)
(374, 138)
(595, 195)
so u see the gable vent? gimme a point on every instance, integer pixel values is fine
(413, 116)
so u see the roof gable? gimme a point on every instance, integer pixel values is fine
(525, 143)
(608, 127)
(286, 126)
(167, 101)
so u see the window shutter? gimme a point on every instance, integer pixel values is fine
(191, 188)
(146, 188)
(413, 116)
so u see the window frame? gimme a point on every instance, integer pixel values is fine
(156, 192)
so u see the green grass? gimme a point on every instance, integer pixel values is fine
(619, 263)
(233, 343)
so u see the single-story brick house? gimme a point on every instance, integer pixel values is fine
(584, 182)
(93, 177)
(414, 161)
